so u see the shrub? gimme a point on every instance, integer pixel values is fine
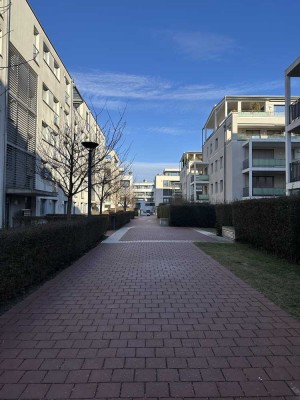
(163, 211)
(273, 224)
(119, 219)
(223, 216)
(28, 256)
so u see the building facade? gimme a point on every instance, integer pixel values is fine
(194, 178)
(167, 186)
(143, 193)
(292, 128)
(38, 102)
(244, 146)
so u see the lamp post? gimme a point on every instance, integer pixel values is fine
(90, 146)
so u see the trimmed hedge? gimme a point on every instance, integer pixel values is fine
(201, 215)
(28, 256)
(223, 216)
(119, 219)
(273, 224)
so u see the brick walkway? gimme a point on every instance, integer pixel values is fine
(140, 318)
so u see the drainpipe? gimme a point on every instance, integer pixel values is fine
(3, 221)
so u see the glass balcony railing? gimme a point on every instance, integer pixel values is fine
(199, 178)
(277, 191)
(295, 171)
(295, 110)
(265, 163)
(261, 114)
(243, 136)
(202, 197)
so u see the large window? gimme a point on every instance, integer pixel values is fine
(263, 181)
(167, 192)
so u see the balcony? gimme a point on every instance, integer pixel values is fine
(295, 171)
(275, 137)
(202, 197)
(295, 110)
(265, 163)
(277, 191)
(56, 119)
(260, 114)
(199, 178)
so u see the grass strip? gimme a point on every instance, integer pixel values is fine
(276, 278)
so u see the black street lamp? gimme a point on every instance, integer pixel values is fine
(90, 146)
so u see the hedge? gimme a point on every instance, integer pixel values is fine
(273, 224)
(201, 215)
(223, 216)
(119, 219)
(29, 255)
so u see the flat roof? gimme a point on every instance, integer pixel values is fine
(294, 68)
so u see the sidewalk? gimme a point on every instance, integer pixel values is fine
(147, 314)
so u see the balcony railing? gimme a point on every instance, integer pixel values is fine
(295, 171)
(295, 110)
(261, 114)
(202, 197)
(265, 163)
(199, 178)
(276, 137)
(276, 191)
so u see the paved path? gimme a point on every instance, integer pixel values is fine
(148, 315)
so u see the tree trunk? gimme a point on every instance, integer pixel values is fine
(101, 206)
(69, 207)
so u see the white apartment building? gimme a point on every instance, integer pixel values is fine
(143, 193)
(166, 186)
(292, 128)
(194, 178)
(37, 99)
(244, 145)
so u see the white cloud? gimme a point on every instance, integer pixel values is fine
(203, 45)
(148, 170)
(169, 130)
(118, 89)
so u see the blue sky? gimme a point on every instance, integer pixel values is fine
(169, 61)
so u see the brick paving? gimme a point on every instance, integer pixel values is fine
(154, 320)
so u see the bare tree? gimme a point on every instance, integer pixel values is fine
(63, 159)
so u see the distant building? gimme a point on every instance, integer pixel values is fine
(244, 146)
(194, 178)
(292, 128)
(143, 193)
(167, 186)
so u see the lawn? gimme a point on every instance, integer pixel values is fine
(276, 278)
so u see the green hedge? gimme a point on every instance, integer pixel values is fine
(163, 211)
(201, 215)
(273, 224)
(223, 216)
(119, 219)
(28, 256)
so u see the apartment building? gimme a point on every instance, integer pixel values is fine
(143, 193)
(292, 128)
(194, 177)
(38, 101)
(167, 186)
(244, 146)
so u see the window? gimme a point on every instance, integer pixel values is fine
(56, 70)
(43, 207)
(166, 192)
(166, 200)
(221, 162)
(211, 188)
(216, 143)
(166, 184)
(216, 187)
(216, 165)
(36, 44)
(211, 168)
(45, 94)
(221, 186)
(67, 93)
(210, 146)
(87, 125)
(253, 133)
(263, 182)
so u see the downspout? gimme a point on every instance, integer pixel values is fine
(5, 222)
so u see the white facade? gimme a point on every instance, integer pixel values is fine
(194, 177)
(292, 129)
(244, 145)
(166, 186)
(39, 98)
(143, 193)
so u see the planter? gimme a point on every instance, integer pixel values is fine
(164, 222)
(228, 232)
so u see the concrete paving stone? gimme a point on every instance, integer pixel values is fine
(148, 314)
